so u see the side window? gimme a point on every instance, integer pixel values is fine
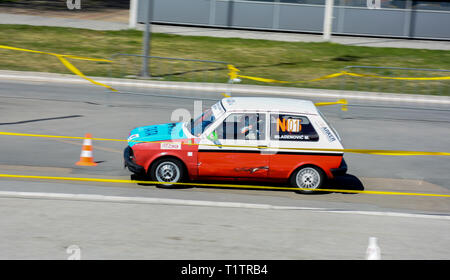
(242, 126)
(291, 128)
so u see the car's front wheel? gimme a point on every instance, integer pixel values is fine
(168, 171)
(308, 179)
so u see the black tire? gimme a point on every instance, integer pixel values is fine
(308, 179)
(169, 170)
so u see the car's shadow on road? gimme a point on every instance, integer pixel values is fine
(347, 183)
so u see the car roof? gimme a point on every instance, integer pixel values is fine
(270, 104)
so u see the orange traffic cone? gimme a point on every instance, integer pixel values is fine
(86, 158)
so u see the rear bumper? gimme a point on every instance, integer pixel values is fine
(130, 164)
(341, 170)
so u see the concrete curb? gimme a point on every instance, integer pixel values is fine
(234, 89)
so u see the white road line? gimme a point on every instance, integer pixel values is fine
(145, 200)
(392, 214)
(182, 202)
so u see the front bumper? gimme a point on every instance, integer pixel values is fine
(341, 170)
(128, 162)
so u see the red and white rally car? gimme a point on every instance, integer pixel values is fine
(241, 138)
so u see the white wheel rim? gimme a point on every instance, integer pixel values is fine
(308, 178)
(167, 172)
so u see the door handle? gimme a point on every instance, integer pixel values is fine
(262, 147)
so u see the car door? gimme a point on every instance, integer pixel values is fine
(289, 132)
(235, 147)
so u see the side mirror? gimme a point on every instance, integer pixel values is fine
(214, 138)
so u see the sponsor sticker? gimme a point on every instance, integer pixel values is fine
(217, 110)
(230, 101)
(290, 125)
(328, 133)
(291, 137)
(171, 146)
(133, 137)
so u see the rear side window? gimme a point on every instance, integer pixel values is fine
(292, 128)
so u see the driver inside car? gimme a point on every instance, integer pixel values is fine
(252, 126)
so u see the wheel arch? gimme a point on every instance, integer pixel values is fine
(307, 164)
(154, 160)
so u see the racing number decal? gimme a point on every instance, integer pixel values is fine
(292, 128)
(291, 125)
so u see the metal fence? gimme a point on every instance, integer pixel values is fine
(433, 87)
(169, 68)
(129, 66)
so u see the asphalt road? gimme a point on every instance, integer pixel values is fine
(219, 232)
(44, 229)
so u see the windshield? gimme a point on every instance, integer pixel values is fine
(198, 126)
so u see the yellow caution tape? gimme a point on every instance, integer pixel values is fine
(79, 73)
(105, 180)
(58, 136)
(356, 151)
(66, 63)
(340, 101)
(396, 78)
(233, 74)
(65, 55)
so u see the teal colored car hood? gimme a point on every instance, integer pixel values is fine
(159, 132)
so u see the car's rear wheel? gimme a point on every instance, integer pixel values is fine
(168, 171)
(308, 179)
